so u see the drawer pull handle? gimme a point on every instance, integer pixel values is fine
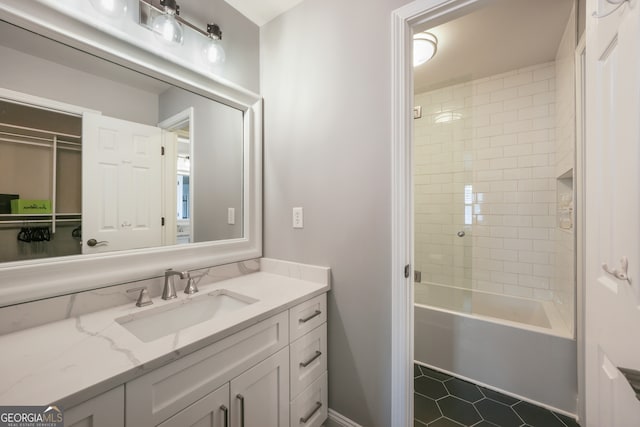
(303, 420)
(314, 357)
(226, 415)
(311, 316)
(241, 398)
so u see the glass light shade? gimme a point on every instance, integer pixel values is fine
(167, 28)
(110, 8)
(213, 51)
(424, 48)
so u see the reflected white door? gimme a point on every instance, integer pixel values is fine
(612, 315)
(122, 188)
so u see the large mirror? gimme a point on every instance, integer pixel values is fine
(95, 157)
(116, 160)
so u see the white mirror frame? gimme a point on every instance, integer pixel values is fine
(37, 279)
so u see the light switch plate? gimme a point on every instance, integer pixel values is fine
(231, 216)
(298, 218)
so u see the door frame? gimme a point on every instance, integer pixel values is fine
(403, 20)
(168, 170)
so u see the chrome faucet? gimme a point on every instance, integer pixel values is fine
(169, 290)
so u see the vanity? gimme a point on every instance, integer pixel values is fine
(256, 359)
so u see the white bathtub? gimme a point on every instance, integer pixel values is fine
(514, 345)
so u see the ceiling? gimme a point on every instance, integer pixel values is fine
(502, 36)
(262, 11)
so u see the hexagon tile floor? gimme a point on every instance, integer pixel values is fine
(441, 400)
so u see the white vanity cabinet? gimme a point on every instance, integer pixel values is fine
(244, 380)
(308, 363)
(105, 410)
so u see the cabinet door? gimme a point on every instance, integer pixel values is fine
(210, 411)
(106, 410)
(260, 396)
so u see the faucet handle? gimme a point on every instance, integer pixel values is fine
(191, 286)
(143, 299)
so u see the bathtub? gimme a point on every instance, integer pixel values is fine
(514, 345)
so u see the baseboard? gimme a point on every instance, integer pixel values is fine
(338, 420)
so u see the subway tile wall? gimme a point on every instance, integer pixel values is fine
(564, 283)
(485, 165)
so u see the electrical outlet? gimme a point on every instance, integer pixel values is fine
(298, 218)
(231, 216)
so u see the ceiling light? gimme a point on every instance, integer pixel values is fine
(424, 47)
(447, 116)
(165, 25)
(110, 8)
(213, 50)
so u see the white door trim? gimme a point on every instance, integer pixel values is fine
(579, 191)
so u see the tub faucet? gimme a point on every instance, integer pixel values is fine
(169, 290)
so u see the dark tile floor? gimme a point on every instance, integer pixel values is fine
(441, 400)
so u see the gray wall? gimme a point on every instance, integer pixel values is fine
(240, 39)
(326, 84)
(217, 163)
(35, 76)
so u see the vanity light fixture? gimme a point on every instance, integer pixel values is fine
(425, 46)
(110, 8)
(166, 25)
(213, 50)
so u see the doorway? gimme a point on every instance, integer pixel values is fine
(417, 17)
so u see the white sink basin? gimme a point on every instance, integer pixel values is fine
(155, 323)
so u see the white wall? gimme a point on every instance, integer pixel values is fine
(327, 95)
(500, 147)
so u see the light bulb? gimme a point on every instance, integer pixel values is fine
(213, 51)
(110, 8)
(424, 48)
(167, 28)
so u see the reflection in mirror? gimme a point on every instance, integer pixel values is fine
(95, 157)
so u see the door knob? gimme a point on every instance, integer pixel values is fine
(460, 233)
(94, 242)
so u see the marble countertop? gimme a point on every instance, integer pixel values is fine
(71, 360)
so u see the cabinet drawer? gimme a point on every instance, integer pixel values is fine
(310, 408)
(307, 316)
(308, 357)
(156, 396)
